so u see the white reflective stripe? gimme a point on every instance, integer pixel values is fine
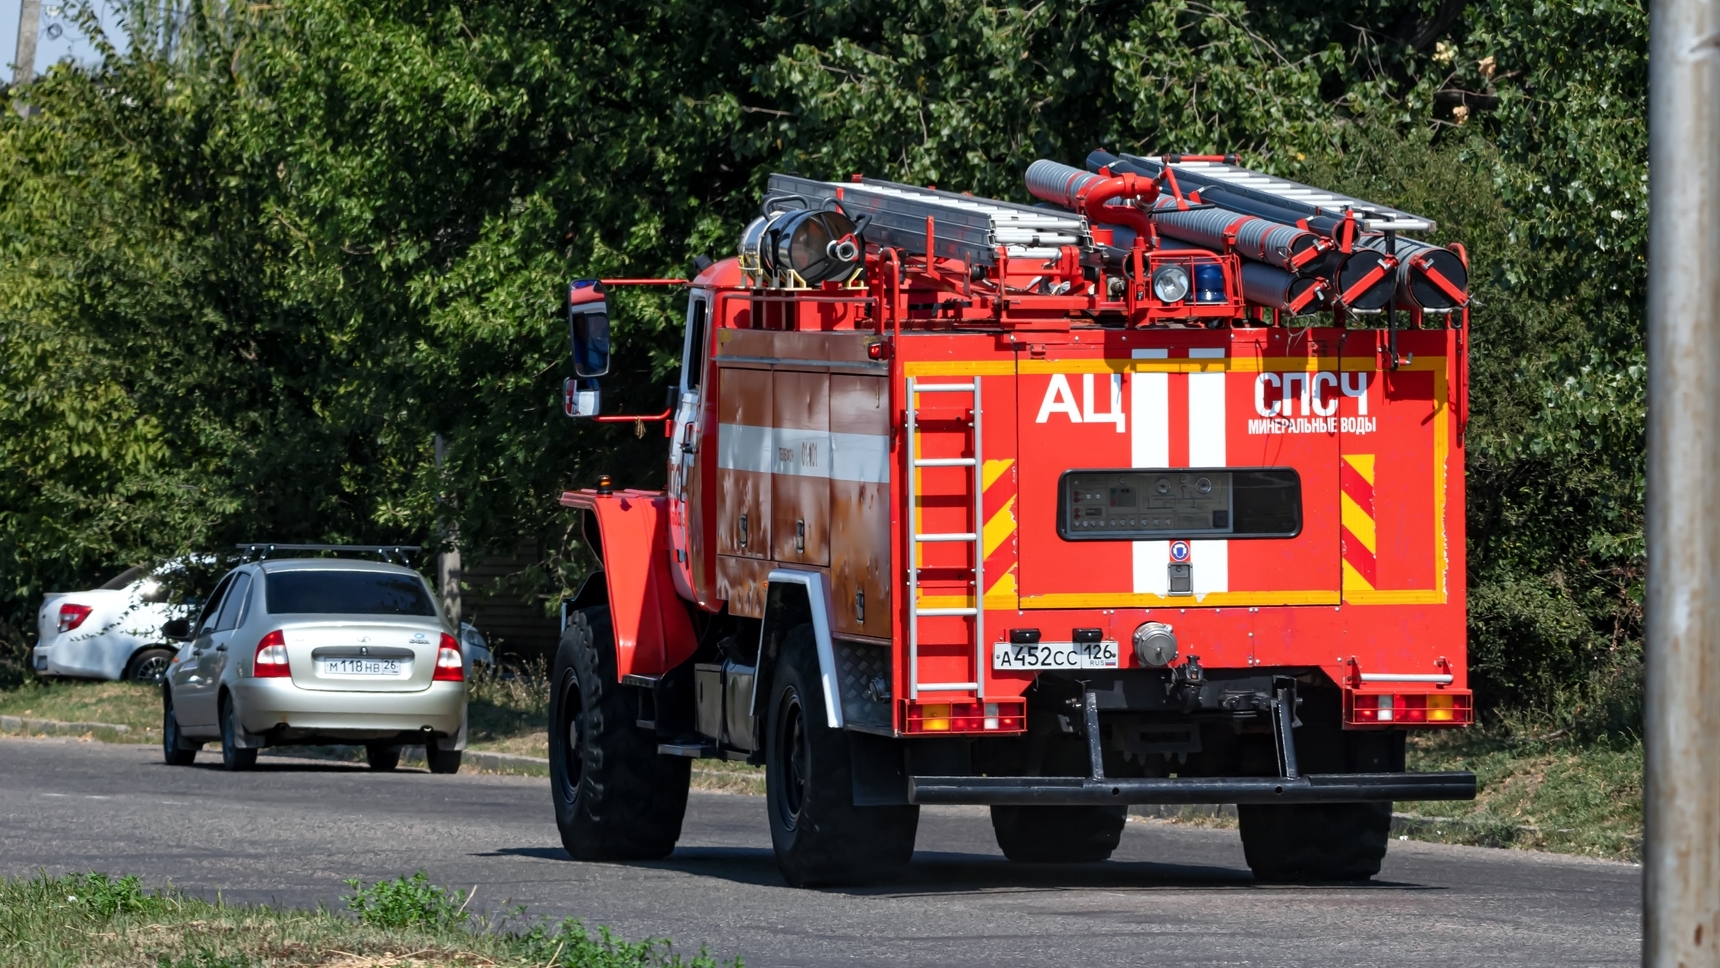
(1406, 677)
(800, 453)
(743, 447)
(804, 453)
(860, 457)
(1150, 446)
(1206, 448)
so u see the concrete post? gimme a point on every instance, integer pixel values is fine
(1681, 848)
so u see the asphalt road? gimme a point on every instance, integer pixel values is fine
(289, 833)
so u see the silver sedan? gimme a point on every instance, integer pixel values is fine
(316, 651)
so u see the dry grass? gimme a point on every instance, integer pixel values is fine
(120, 703)
(1566, 797)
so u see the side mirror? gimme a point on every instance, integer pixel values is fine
(177, 630)
(581, 398)
(588, 328)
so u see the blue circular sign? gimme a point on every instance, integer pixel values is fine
(1179, 550)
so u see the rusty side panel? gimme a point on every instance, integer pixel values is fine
(800, 478)
(860, 505)
(743, 462)
(741, 581)
(814, 348)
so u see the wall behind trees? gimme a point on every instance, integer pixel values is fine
(252, 265)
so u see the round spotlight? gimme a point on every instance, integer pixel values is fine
(1170, 283)
(1155, 645)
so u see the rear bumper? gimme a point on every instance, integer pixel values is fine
(1318, 788)
(265, 704)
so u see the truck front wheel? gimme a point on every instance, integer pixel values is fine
(1058, 835)
(820, 836)
(615, 797)
(1315, 841)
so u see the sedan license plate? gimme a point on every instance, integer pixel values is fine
(1008, 656)
(363, 668)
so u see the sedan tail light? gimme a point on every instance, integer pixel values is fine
(449, 666)
(72, 616)
(271, 660)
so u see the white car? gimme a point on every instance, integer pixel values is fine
(111, 632)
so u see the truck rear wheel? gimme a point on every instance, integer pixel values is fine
(820, 836)
(1058, 835)
(1315, 841)
(615, 797)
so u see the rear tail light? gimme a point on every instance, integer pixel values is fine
(449, 666)
(1006, 716)
(1451, 708)
(271, 660)
(72, 616)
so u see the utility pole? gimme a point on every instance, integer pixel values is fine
(1681, 845)
(24, 61)
(448, 571)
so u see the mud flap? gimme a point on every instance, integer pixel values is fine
(879, 770)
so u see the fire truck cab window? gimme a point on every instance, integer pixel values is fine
(1180, 502)
(693, 367)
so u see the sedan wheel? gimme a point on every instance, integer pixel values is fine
(149, 666)
(173, 746)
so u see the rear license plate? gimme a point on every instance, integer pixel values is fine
(1006, 656)
(363, 668)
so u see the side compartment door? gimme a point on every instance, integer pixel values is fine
(860, 533)
(800, 468)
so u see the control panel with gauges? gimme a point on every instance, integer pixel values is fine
(1156, 503)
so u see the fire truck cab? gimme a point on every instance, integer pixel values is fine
(1148, 493)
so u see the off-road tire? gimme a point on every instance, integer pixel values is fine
(820, 836)
(382, 759)
(149, 666)
(175, 749)
(1058, 835)
(615, 797)
(442, 762)
(233, 759)
(1315, 841)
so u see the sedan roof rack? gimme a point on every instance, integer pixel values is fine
(263, 549)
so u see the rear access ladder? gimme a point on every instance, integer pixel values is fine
(916, 538)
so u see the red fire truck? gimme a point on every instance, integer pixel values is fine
(1148, 493)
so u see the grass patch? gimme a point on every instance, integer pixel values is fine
(97, 920)
(509, 714)
(1569, 797)
(121, 703)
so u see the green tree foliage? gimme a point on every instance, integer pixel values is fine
(251, 266)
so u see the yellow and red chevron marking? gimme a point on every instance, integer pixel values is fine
(998, 503)
(1356, 515)
(998, 507)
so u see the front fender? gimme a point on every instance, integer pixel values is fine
(653, 632)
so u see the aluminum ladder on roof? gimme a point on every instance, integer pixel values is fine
(916, 538)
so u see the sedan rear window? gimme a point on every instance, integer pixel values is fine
(346, 593)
